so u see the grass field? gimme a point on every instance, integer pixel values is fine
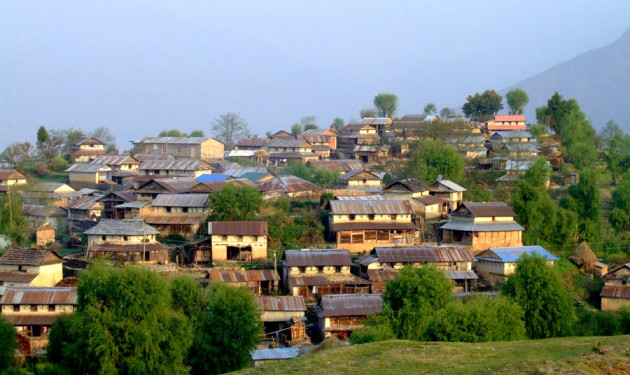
(574, 355)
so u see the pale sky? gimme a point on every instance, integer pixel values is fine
(139, 67)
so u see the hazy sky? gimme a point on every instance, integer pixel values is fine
(139, 67)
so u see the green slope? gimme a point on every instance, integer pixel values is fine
(583, 355)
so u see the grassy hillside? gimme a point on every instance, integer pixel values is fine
(583, 355)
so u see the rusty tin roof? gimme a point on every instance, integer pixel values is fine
(281, 303)
(39, 296)
(317, 258)
(243, 276)
(351, 305)
(238, 228)
(420, 254)
(374, 207)
(180, 200)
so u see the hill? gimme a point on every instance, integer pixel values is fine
(599, 79)
(583, 355)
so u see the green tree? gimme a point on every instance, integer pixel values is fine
(584, 199)
(337, 124)
(479, 319)
(516, 99)
(229, 129)
(229, 330)
(188, 298)
(542, 295)
(309, 122)
(12, 220)
(447, 112)
(235, 203)
(296, 129)
(482, 107)
(42, 135)
(322, 177)
(8, 344)
(171, 133)
(197, 133)
(386, 104)
(620, 214)
(430, 158)
(430, 109)
(412, 298)
(105, 135)
(616, 149)
(368, 113)
(17, 154)
(124, 324)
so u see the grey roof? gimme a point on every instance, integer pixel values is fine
(351, 304)
(461, 275)
(275, 354)
(484, 209)
(409, 185)
(360, 198)
(288, 143)
(85, 203)
(39, 296)
(511, 134)
(372, 207)
(175, 165)
(469, 226)
(287, 184)
(451, 185)
(174, 140)
(317, 257)
(414, 254)
(112, 159)
(353, 175)
(30, 257)
(512, 254)
(122, 227)
(134, 204)
(88, 168)
(180, 200)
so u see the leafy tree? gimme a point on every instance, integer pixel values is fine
(171, 133)
(542, 295)
(516, 99)
(17, 154)
(616, 147)
(372, 333)
(309, 122)
(188, 298)
(72, 135)
(229, 330)
(234, 203)
(554, 112)
(42, 135)
(430, 109)
(124, 324)
(386, 104)
(296, 129)
(478, 193)
(337, 124)
(620, 214)
(229, 129)
(12, 220)
(197, 133)
(58, 164)
(368, 113)
(290, 230)
(447, 112)
(411, 299)
(430, 158)
(105, 135)
(480, 319)
(482, 107)
(318, 176)
(54, 141)
(310, 127)
(584, 199)
(538, 130)
(8, 344)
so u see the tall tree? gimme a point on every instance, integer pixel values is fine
(482, 107)
(229, 129)
(42, 135)
(337, 124)
(296, 129)
(234, 203)
(12, 220)
(17, 154)
(413, 297)
(516, 99)
(540, 292)
(620, 214)
(309, 122)
(124, 324)
(430, 109)
(103, 134)
(368, 113)
(447, 112)
(229, 330)
(430, 158)
(197, 133)
(386, 104)
(8, 344)
(584, 199)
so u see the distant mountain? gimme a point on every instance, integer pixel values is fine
(598, 79)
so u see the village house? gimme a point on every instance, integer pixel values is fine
(38, 214)
(382, 124)
(129, 210)
(259, 282)
(515, 169)
(45, 193)
(176, 213)
(165, 185)
(358, 226)
(309, 273)
(112, 199)
(126, 240)
(406, 189)
(339, 315)
(291, 186)
(472, 146)
(283, 318)
(498, 262)
(181, 147)
(288, 145)
(87, 175)
(123, 162)
(30, 267)
(86, 149)
(383, 264)
(354, 135)
(483, 225)
(11, 177)
(320, 137)
(362, 180)
(257, 178)
(141, 157)
(500, 138)
(284, 158)
(616, 291)
(338, 166)
(411, 127)
(33, 310)
(282, 134)
(45, 235)
(233, 240)
(448, 190)
(179, 167)
(370, 153)
(505, 122)
(432, 207)
(86, 208)
(251, 144)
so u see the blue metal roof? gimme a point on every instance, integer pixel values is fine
(212, 177)
(512, 254)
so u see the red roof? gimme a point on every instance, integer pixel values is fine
(622, 292)
(506, 127)
(509, 118)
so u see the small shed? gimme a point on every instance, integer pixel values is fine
(586, 260)
(45, 234)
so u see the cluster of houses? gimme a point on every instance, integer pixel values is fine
(120, 204)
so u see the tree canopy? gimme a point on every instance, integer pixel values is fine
(430, 158)
(542, 295)
(386, 104)
(516, 99)
(430, 109)
(482, 107)
(368, 112)
(235, 203)
(229, 129)
(8, 343)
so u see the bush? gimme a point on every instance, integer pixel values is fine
(597, 323)
(373, 333)
(8, 343)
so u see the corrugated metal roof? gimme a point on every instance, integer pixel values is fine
(188, 219)
(430, 200)
(360, 198)
(360, 225)
(117, 160)
(17, 277)
(122, 227)
(44, 211)
(519, 118)
(136, 204)
(451, 185)
(511, 134)
(275, 353)
(31, 319)
(287, 184)
(366, 260)
(485, 209)
(317, 258)
(326, 279)
(356, 127)
(288, 143)
(174, 140)
(175, 165)
(337, 165)
(239, 171)
(512, 254)
(385, 207)
(281, 303)
(180, 200)
(351, 304)
(376, 121)
(212, 177)
(461, 275)
(252, 142)
(52, 187)
(144, 157)
(88, 168)
(410, 185)
(85, 203)
(108, 247)
(482, 227)
(420, 254)
(622, 292)
(30, 257)
(359, 174)
(39, 296)
(238, 228)
(243, 276)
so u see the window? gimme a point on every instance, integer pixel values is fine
(51, 307)
(125, 238)
(16, 307)
(33, 307)
(184, 209)
(168, 209)
(351, 217)
(393, 217)
(104, 238)
(178, 149)
(371, 217)
(164, 149)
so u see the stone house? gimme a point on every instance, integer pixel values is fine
(181, 147)
(30, 267)
(44, 235)
(358, 226)
(483, 225)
